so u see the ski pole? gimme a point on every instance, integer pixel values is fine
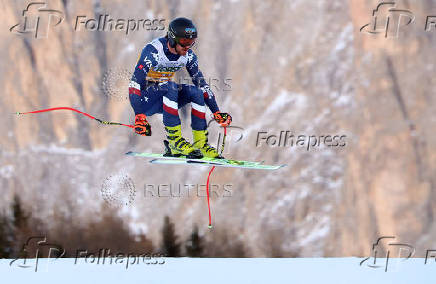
(78, 111)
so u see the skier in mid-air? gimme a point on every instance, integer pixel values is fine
(152, 91)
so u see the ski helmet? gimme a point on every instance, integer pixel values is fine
(181, 28)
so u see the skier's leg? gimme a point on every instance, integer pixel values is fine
(147, 101)
(194, 95)
(171, 120)
(137, 99)
(170, 107)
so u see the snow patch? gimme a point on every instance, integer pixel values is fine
(285, 97)
(53, 149)
(7, 171)
(282, 61)
(320, 231)
(345, 38)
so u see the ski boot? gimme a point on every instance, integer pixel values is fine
(177, 146)
(200, 143)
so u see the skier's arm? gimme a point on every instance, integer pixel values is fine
(198, 80)
(138, 82)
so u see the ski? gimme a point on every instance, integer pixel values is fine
(209, 163)
(205, 159)
(161, 159)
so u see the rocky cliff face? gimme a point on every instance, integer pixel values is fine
(297, 66)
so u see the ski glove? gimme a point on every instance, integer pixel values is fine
(224, 119)
(142, 127)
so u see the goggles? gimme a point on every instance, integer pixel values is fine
(186, 42)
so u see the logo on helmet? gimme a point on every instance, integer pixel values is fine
(190, 32)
